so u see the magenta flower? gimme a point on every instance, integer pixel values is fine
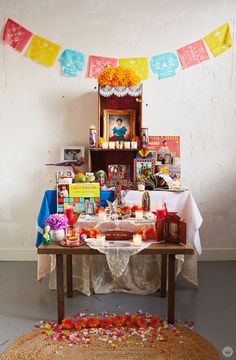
(57, 221)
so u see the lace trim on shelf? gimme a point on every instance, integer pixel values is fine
(121, 91)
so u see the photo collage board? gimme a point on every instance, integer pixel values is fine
(78, 195)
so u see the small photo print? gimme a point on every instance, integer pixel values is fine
(63, 190)
(72, 153)
(166, 158)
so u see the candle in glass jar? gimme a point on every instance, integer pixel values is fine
(127, 144)
(111, 144)
(102, 215)
(100, 240)
(137, 239)
(139, 214)
(105, 145)
(134, 144)
(141, 187)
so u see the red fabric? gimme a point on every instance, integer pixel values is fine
(16, 35)
(121, 103)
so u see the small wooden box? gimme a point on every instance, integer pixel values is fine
(175, 229)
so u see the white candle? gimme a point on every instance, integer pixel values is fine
(141, 187)
(112, 144)
(105, 145)
(102, 215)
(137, 239)
(127, 144)
(100, 241)
(139, 214)
(134, 144)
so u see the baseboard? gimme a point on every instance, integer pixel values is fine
(218, 254)
(210, 254)
(18, 254)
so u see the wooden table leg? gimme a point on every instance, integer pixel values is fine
(163, 274)
(60, 289)
(69, 281)
(171, 289)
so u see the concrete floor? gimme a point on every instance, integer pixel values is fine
(24, 301)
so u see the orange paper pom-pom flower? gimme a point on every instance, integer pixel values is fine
(155, 322)
(93, 322)
(81, 323)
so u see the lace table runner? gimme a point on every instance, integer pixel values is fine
(118, 254)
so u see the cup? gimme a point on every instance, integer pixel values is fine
(72, 235)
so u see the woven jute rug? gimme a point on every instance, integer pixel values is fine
(186, 346)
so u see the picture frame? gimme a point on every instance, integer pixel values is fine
(72, 153)
(143, 168)
(166, 158)
(119, 125)
(90, 208)
(113, 172)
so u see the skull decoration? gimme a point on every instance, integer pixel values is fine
(72, 62)
(164, 64)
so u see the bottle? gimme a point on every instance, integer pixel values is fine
(93, 137)
(144, 138)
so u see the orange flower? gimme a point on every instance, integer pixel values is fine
(68, 324)
(93, 322)
(80, 323)
(118, 321)
(155, 322)
(128, 321)
(119, 76)
(105, 323)
(93, 232)
(140, 321)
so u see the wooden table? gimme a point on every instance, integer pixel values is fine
(167, 252)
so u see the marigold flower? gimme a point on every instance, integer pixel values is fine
(118, 321)
(68, 324)
(141, 322)
(80, 323)
(118, 76)
(105, 323)
(155, 322)
(93, 322)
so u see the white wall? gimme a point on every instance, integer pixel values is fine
(40, 110)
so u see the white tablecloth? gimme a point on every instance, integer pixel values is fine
(91, 274)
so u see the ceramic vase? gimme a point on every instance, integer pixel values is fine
(58, 235)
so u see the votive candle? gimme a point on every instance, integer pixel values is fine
(102, 215)
(134, 144)
(105, 145)
(139, 214)
(137, 239)
(112, 144)
(100, 240)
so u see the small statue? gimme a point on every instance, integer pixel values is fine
(47, 237)
(146, 201)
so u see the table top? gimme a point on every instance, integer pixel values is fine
(153, 249)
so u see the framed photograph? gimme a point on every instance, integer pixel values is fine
(72, 153)
(90, 208)
(118, 125)
(143, 168)
(166, 158)
(113, 172)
